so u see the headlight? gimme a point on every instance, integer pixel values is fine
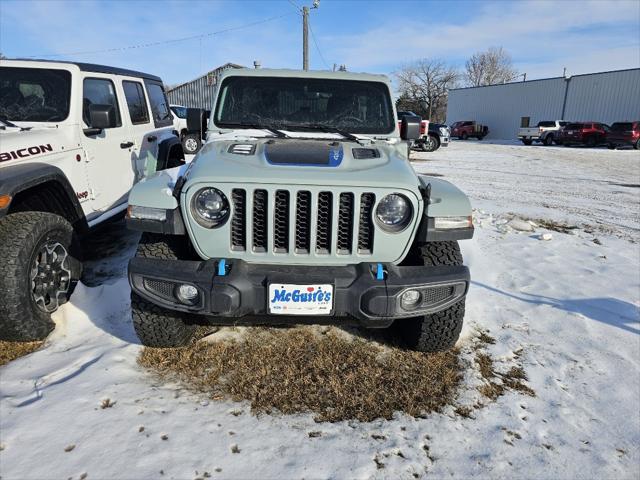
(394, 212)
(444, 131)
(210, 207)
(451, 223)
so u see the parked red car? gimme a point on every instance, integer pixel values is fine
(624, 133)
(468, 129)
(590, 134)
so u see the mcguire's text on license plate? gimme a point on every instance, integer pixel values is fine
(288, 299)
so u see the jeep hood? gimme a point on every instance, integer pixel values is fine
(303, 162)
(17, 144)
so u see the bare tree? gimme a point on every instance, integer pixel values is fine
(424, 84)
(490, 67)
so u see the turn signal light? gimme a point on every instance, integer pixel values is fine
(5, 200)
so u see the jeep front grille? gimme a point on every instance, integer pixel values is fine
(302, 222)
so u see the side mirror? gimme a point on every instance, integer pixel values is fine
(410, 127)
(194, 119)
(102, 116)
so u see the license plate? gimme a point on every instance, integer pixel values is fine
(288, 299)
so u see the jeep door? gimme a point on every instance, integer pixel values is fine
(143, 153)
(162, 125)
(109, 149)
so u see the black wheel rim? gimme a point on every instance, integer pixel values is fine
(50, 276)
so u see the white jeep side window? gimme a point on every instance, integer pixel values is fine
(137, 104)
(101, 92)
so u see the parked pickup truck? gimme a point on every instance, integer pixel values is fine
(624, 133)
(469, 129)
(545, 132)
(432, 135)
(304, 211)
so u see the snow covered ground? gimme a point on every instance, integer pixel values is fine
(567, 308)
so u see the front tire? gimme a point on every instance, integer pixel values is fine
(437, 331)
(37, 273)
(154, 325)
(430, 144)
(160, 328)
(191, 143)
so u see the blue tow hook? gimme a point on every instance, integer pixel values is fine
(379, 272)
(222, 268)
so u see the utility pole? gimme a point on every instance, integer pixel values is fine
(305, 38)
(305, 34)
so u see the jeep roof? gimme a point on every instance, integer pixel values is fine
(88, 67)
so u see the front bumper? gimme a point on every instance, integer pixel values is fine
(239, 296)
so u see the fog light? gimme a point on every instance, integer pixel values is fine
(410, 299)
(187, 294)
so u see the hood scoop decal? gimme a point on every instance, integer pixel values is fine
(365, 153)
(308, 153)
(242, 148)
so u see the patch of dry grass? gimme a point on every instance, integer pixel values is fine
(554, 225)
(513, 379)
(299, 370)
(9, 351)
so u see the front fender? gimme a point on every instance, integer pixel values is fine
(164, 149)
(19, 178)
(157, 192)
(444, 200)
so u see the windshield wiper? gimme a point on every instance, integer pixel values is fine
(4, 120)
(326, 129)
(259, 126)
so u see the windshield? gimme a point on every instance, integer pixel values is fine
(576, 126)
(299, 103)
(546, 124)
(401, 115)
(622, 126)
(34, 94)
(180, 112)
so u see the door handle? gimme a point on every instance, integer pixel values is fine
(152, 138)
(126, 145)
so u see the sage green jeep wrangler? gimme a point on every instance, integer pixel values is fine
(301, 207)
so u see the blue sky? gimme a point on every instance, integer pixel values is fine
(366, 35)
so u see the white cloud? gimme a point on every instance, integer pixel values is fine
(579, 35)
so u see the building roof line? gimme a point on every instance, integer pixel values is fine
(545, 79)
(221, 67)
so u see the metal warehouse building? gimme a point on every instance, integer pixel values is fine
(198, 93)
(602, 97)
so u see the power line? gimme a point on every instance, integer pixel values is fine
(164, 42)
(313, 35)
(295, 5)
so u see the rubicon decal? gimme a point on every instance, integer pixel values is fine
(25, 152)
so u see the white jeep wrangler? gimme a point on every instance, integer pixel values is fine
(74, 139)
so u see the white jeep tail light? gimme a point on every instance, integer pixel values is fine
(450, 223)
